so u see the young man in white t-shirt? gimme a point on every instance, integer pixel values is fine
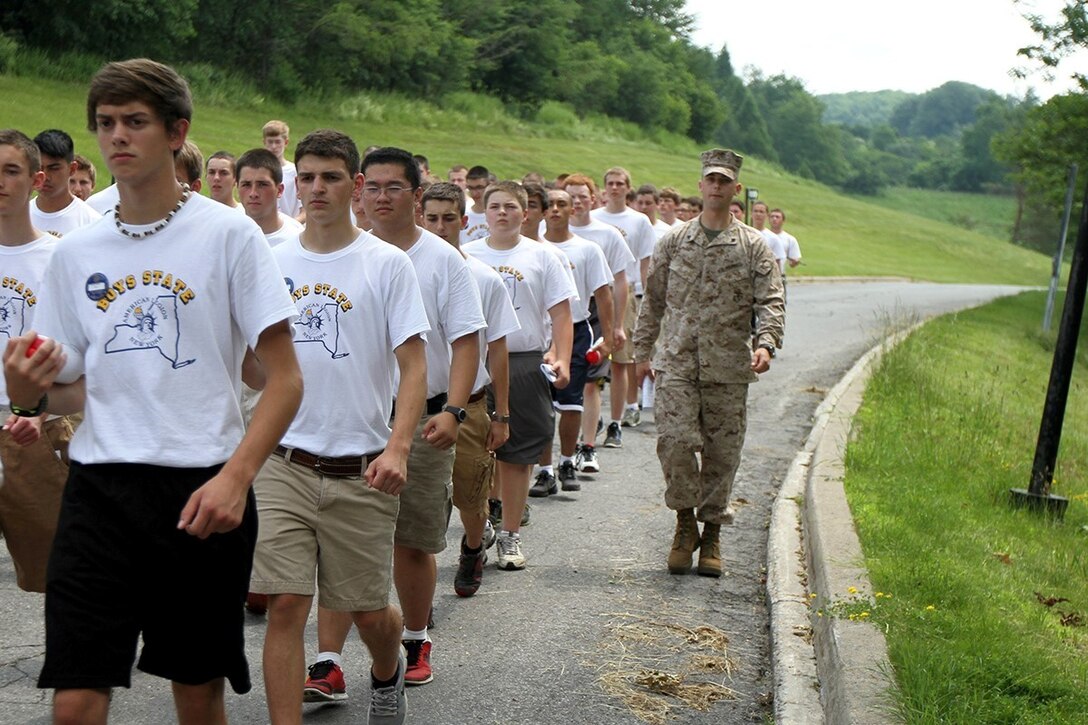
(329, 496)
(157, 524)
(647, 201)
(583, 195)
(260, 184)
(477, 180)
(391, 193)
(219, 170)
(458, 176)
(55, 210)
(276, 136)
(34, 450)
(483, 431)
(593, 280)
(539, 289)
(81, 182)
(777, 219)
(759, 222)
(668, 204)
(640, 238)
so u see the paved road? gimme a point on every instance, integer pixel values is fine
(563, 640)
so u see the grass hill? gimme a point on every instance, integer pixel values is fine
(839, 235)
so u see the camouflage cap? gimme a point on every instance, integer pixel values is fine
(722, 161)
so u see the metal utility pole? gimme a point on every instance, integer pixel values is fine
(1050, 430)
(1056, 271)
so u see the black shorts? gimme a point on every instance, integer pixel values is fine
(572, 396)
(532, 417)
(120, 568)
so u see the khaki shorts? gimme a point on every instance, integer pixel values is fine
(425, 502)
(474, 465)
(339, 527)
(626, 354)
(30, 494)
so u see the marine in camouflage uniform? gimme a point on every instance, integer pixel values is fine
(708, 279)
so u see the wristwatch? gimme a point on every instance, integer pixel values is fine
(459, 413)
(769, 348)
(496, 418)
(30, 412)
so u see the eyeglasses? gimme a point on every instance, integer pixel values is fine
(392, 190)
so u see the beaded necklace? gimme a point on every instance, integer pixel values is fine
(186, 192)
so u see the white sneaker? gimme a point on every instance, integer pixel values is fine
(510, 556)
(489, 534)
(585, 460)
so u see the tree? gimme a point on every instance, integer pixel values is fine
(1058, 40)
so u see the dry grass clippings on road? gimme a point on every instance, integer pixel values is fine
(640, 653)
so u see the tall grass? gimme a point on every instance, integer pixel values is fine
(948, 426)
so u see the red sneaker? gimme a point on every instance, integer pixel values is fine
(325, 683)
(419, 662)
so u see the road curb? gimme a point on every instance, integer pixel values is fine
(826, 669)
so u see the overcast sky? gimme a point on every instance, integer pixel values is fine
(866, 45)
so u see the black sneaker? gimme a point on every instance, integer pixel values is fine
(545, 485)
(494, 512)
(470, 571)
(586, 460)
(567, 477)
(613, 438)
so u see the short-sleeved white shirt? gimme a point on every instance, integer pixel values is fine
(104, 201)
(289, 228)
(637, 232)
(661, 228)
(475, 227)
(609, 239)
(355, 307)
(160, 326)
(535, 282)
(22, 269)
(793, 249)
(58, 223)
(498, 312)
(590, 270)
(778, 247)
(288, 202)
(451, 300)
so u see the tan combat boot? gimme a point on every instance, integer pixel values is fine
(684, 542)
(710, 552)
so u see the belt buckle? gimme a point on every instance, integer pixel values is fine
(318, 465)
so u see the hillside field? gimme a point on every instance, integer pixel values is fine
(839, 235)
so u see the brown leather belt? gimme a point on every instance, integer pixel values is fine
(343, 467)
(479, 395)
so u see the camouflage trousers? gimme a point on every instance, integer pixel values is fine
(704, 418)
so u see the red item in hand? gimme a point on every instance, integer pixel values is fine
(33, 347)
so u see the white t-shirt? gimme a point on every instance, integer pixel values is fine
(58, 223)
(160, 326)
(778, 247)
(661, 228)
(355, 307)
(476, 226)
(451, 300)
(104, 201)
(639, 235)
(22, 269)
(793, 249)
(590, 270)
(498, 312)
(609, 239)
(288, 202)
(289, 227)
(535, 281)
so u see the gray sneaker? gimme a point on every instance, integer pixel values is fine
(510, 556)
(631, 418)
(613, 438)
(567, 477)
(545, 485)
(388, 706)
(489, 534)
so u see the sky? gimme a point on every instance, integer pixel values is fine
(872, 45)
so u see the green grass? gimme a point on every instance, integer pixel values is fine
(948, 425)
(988, 214)
(839, 235)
